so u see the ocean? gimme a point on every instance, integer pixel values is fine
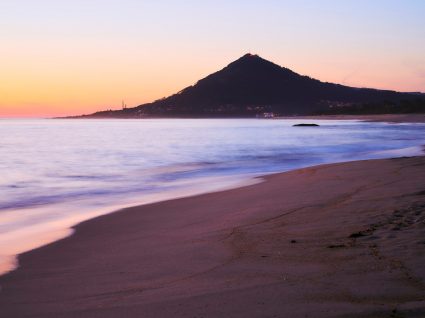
(56, 173)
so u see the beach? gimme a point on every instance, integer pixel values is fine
(335, 240)
(203, 159)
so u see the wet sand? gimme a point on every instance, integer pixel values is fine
(339, 240)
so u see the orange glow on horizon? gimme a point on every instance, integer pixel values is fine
(77, 57)
(66, 90)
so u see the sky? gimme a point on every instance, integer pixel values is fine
(63, 57)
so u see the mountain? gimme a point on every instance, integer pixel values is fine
(252, 86)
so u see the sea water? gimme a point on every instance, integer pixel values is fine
(56, 173)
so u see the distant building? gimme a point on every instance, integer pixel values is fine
(265, 115)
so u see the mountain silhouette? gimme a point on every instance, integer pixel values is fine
(252, 86)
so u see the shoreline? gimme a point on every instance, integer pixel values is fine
(390, 118)
(27, 242)
(387, 118)
(247, 243)
(66, 227)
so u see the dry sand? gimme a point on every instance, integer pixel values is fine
(339, 240)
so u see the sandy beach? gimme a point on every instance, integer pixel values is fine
(338, 240)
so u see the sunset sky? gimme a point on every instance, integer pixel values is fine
(61, 57)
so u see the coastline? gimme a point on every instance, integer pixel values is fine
(389, 118)
(61, 215)
(65, 227)
(285, 245)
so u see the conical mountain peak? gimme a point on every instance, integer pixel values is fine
(250, 56)
(256, 65)
(250, 86)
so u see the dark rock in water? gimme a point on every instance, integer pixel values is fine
(305, 125)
